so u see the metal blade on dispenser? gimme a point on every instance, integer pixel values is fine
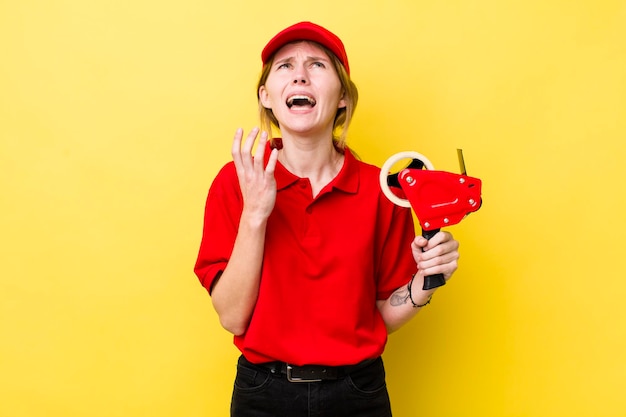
(459, 153)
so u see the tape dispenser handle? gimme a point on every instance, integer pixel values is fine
(431, 281)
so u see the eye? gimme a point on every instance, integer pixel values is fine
(318, 64)
(283, 65)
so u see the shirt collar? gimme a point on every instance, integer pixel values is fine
(347, 179)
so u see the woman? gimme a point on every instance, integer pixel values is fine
(307, 263)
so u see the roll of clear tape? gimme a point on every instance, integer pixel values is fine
(385, 170)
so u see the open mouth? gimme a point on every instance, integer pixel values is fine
(300, 101)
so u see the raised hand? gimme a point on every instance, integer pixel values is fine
(257, 182)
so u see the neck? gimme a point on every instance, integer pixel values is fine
(318, 161)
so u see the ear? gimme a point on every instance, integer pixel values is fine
(342, 101)
(264, 98)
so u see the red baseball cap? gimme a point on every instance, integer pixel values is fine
(306, 31)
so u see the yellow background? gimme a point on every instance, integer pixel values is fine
(115, 116)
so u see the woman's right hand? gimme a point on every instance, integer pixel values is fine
(257, 182)
(236, 291)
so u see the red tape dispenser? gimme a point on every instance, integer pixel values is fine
(438, 198)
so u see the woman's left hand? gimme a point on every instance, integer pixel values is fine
(439, 255)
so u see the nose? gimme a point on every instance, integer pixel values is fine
(300, 76)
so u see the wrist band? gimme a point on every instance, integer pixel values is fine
(411, 295)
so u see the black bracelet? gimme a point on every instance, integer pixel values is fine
(411, 295)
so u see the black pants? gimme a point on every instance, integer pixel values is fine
(258, 392)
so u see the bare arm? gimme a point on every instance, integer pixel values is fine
(235, 293)
(438, 255)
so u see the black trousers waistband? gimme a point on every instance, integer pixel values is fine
(310, 373)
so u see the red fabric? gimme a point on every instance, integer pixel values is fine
(326, 262)
(306, 31)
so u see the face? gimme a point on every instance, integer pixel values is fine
(303, 90)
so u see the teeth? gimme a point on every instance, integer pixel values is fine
(300, 101)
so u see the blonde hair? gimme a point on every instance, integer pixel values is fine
(344, 115)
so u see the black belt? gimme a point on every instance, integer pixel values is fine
(312, 373)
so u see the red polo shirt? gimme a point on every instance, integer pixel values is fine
(327, 260)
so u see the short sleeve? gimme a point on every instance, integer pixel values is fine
(221, 219)
(395, 263)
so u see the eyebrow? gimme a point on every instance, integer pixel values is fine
(309, 58)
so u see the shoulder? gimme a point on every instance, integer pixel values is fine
(370, 183)
(365, 167)
(367, 172)
(226, 174)
(227, 170)
(226, 182)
